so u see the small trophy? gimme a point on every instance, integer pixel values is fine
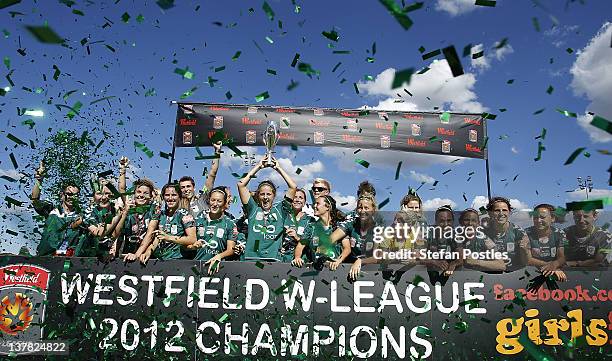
(270, 138)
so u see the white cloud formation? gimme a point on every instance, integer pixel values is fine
(481, 63)
(484, 62)
(436, 87)
(580, 194)
(421, 178)
(351, 201)
(309, 172)
(13, 173)
(592, 77)
(456, 7)
(433, 204)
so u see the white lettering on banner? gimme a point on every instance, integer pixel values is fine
(316, 338)
(298, 290)
(170, 290)
(128, 289)
(395, 301)
(100, 288)
(373, 341)
(455, 296)
(299, 342)
(151, 289)
(200, 342)
(358, 296)
(264, 331)
(334, 299)
(242, 338)
(249, 294)
(425, 299)
(205, 291)
(75, 282)
(469, 296)
(414, 336)
(398, 347)
(226, 297)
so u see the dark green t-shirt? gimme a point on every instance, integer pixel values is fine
(93, 245)
(545, 249)
(585, 248)
(136, 224)
(318, 239)
(301, 227)
(58, 233)
(508, 242)
(214, 234)
(174, 225)
(362, 244)
(265, 230)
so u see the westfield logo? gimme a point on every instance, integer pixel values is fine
(218, 108)
(386, 126)
(249, 121)
(472, 121)
(319, 123)
(444, 131)
(417, 143)
(473, 148)
(349, 114)
(352, 138)
(184, 121)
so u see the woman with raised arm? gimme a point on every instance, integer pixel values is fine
(216, 232)
(318, 235)
(176, 228)
(265, 219)
(357, 235)
(296, 227)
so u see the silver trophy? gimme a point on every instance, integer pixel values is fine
(270, 138)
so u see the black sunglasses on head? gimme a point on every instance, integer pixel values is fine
(318, 189)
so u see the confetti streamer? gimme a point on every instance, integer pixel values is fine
(490, 3)
(401, 77)
(398, 13)
(331, 35)
(362, 162)
(585, 205)
(602, 123)
(540, 149)
(573, 156)
(144, 149)
(431, 54)
(383, 203)
(268, 10)
(453, 60)
(567, 113)
(7, 3)
(45, 34)
(295, 60)
(261, 97)
(397, 170)
(15, 139)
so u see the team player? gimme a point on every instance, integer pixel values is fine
(507, 236)
(317, 237)
(265, 219)
(587, 244)
(478, 242)
(320, 187)
(357, 235)
(546, 242)
(295, 225)
(442, 239)
(176, 229)
(197, 204)
(216, 233)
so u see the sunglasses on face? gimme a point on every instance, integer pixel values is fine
(69, 194)
(318, 189)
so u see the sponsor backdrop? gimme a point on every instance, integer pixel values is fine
(462, 135)
(273, 311)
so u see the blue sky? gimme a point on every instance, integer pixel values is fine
(146, 54)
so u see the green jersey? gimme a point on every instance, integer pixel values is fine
(320, 241)
(214, 234)
(58, 234)
(509, 242)
(585, 248)
(545, 249)
(301, 226)
(265, 230)
(479, 244)
(361, 241)
(93, 246)
(136, 225)
(174, 225)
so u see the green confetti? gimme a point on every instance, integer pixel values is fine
(188, 93)
(541, 148)
(573, 156)
(446, 171)
(550, 89)
(218, 69)
(341, 52)
(585, 205)
(10, 200)
(567, 113)
(228, 95)
(383, 203)
(165, 4)
(362, 162)
(510, 81)
(144, 149)
(102, 99)
(542, 135)
(271, 71)
(164, 155)
(151, 92)
(45, 34)
(268, 10)
(356, 88)
(262, 96)
(295, 60)
(15, 139)
(431, 54)
(602, 123)
(269, 40)
(307, 69)
(445, 116)
(236, 55)
(331, 35)
(453, 60)
(397, 170)
(394, 130)
(539, 111)
(490, 3)
(398, 13)
(569, 50)
(401, 77)
(536, 24)
(292, 85)
(185, 73)
(125, 17)
(140, 18)
(7, 62)
(336, 67)
(7, 3)
(259, 264)
(223, 318)
(413, 7)
(370, 59)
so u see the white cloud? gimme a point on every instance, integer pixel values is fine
(384, 159)
(456, 7)
(308, 173)
(436, 87)
(484, 62)
(11, 173)
(580, 194)
(592, 77)
(421, 178)
(558, 34)
(479, 201)
(433, 204)
(351, 202)
(514, 150)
